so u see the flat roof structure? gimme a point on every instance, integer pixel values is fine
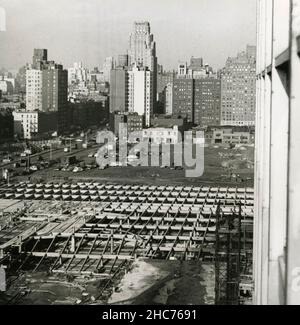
(89, 228)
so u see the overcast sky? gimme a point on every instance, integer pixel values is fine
(90, 30)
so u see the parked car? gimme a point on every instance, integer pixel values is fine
(34, 168)
(77, 169)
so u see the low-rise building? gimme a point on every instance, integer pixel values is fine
(6, 125)
(32, 124)
(6, 87)
(133, 121)
(162, 135)
(161, 121)
(226, 135)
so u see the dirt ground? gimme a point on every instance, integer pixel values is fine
(167, 283)
(223, 167)
(147, 282)
(43, 289)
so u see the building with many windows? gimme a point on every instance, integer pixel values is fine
(30, 125)
(198, 100)
(47, 87)
(207, 101)
(183, 98)
(168, 99)
(140, 93)
(238, 89)
(132, 121)
(142, 53)
(162, 135)
(77, 73)
(118, 90)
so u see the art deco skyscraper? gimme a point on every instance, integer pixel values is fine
(142, 51)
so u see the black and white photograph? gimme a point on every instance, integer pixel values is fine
(149, 155)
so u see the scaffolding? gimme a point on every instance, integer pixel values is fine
(228, 257)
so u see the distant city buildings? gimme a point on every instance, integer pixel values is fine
(123, 60)
(134, 85)
(39, 56)
(108, 65)
(88, 85)
(196, 64)
(47, 87)
(21, 79)
(7, 85)
(238, 89)
(77, 73)
(196, 69)
(133, 82)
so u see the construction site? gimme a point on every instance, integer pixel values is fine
(94, 243)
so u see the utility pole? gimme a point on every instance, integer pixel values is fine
(50, 151)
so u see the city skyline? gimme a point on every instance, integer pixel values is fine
(106, 34)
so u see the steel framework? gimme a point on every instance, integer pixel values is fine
(227, 257)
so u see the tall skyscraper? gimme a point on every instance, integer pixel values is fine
(198, 100)
(108, 65)
(47, 87)
(163, 80)
(140, 90)
(77, 73)
(118, 90)
(238, 89)
(123, 60)
(183, 98)
(39, 55)
(142, 52)
(207, 101)
(196, 64)
(169, 99)
(34, 90)
(21, 79)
